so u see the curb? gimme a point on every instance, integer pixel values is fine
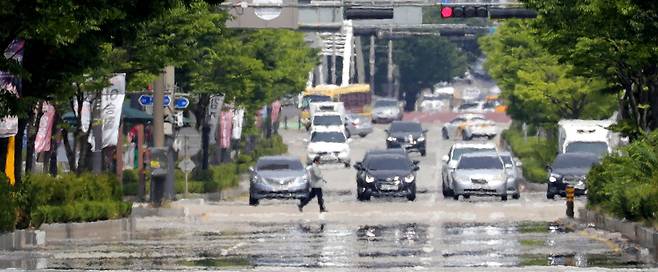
(22, 239)
(115, 230)
(645, 237)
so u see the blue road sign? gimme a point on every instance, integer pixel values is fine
(146, 100)
(181, 103)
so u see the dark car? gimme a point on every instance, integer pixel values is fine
(281, 177)
(407, 135)
(386, 174)
(569, 169)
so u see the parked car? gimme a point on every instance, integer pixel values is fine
(481, 174)
(358, 125)
(514, 172)
(569, 169)
(451, 160)
(386, 174)
(331, 146)
(277, 177)
(386, 110)
(407, 135)
(456, 126)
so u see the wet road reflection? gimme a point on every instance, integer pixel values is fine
(327, 245)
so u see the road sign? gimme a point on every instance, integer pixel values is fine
(181, 103)
(186, 165)
(146, 100)
(188, 141)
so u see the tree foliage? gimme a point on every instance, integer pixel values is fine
(537, 87)
(617, 40)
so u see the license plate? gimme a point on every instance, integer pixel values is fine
(389, 187)
(328, 158)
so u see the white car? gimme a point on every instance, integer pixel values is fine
(451, 160)
(470, 94)
(456, 126)
(331, 145)
(475, 107)
(328, 121)
(434, 102)
(479, 128)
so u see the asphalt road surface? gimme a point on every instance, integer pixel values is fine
(429, 234)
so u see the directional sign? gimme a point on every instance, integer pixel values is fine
(186, 165)
(181, 103)
(146, 100)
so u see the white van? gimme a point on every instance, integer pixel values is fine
(337, 107)
(588, 136)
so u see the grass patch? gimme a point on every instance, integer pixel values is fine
(533, 227)
(535, 153)
(228, 262)
(531, 242)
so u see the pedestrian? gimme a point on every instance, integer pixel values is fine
(317, 181)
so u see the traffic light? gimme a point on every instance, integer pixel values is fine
(368, 13)
(483, 11)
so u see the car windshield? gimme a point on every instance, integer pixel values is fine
(573, 161)
(273, 165)
(405, 127)
(306, 100)
(327, 120)
(457, 120)
(468, 106)
(387, 163)
(458, 152)
(330, 137)
(436, 97)
(484, 162)
(506, 159)
(596, 148)
(385, 103)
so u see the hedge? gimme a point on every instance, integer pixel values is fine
(84, 211)
(625, 184)
(535, 153)
(8, 204)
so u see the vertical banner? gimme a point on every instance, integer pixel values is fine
(276, 109)
(214, 109)
(9, 162)
(226, 129)
(10, 83)
(42, 140)
(111, 106)
(238, 120)
(85, 112)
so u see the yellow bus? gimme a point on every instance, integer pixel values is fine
(356, 98)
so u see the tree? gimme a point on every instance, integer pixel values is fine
(538, 88)
(617, 40)
(424, 61)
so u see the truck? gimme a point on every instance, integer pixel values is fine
(586, 136)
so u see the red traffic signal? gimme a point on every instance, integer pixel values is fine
(463, 11)
(446, 12)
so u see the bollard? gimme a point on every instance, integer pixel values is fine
(570, 195)
(299, 123)
(285, 122)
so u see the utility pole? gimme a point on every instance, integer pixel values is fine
(371, 61)
(158, 110)
(97, 152)
(389, 75)
(333, 63)
(360, 64)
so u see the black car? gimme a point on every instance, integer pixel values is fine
(407, 135)
(386, 174)
(569, 169)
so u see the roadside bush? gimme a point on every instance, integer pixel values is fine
(535, 153)
(626, 184)
(84, 211)
(8, 204)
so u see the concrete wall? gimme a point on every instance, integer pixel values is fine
(119, 229)
(22, 239)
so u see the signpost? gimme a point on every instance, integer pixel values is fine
(187, 166)
(188, 143)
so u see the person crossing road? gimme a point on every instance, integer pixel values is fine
(317, 182)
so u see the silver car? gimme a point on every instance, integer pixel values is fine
(280, 177)
(514, 171)
(451, 160)
(358, 125)
(482, 174)
(386, 110)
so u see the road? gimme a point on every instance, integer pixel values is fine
(429, 234)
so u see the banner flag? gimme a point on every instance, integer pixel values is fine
(42, 140)
(238, 120)
(276, 109)
(85, 119)
(226, 129)
(10, 83)
(214, 109)
(111, 106)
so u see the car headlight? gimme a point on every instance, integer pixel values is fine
(462, 179)
(421, 139)
(258, 179)
(552, 178)
(301, 180)
(370, 179)
(390, 139)
(410, 178)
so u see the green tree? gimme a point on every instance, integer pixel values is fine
(538, 88)
(617, 40)
(424, 61)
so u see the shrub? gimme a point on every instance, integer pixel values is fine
(535, 153)
(84, 211)
(8, 204)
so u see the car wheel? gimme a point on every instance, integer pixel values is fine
(253, 201)
(491, 137)
(444, 132)
(503, 198)
(363, 135)
(412, 194)
(347, 165)
(423, 153)
(359, 193)
(455, 197)
(365, 196)
(465, 137)
(446, 192)
(550, 196)
(467, 196)
(348, 134)
(516, 196)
